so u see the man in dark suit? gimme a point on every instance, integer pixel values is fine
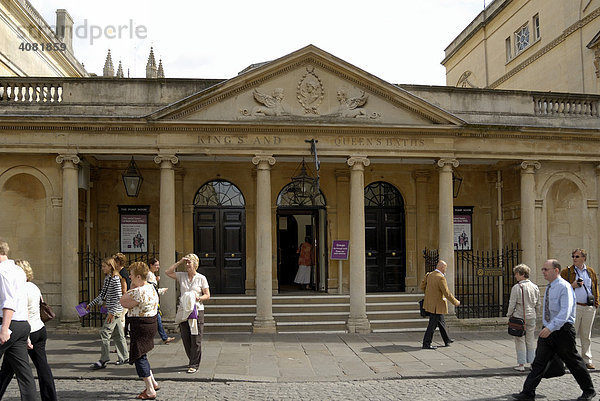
(436, 295)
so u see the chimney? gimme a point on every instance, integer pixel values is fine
(64, 28)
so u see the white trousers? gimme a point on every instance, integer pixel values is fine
(584, 319)
(527, 344)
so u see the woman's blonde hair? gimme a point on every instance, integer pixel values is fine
(23, 264)
(110, 262)
(139, 269)
(194, 259)
(120, 259)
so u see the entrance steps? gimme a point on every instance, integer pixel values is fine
(314, 312)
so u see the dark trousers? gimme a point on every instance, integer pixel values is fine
(193, 343)
(562, 343)
(435, 320)
(38, 357)
(15, 355)
(142, 366)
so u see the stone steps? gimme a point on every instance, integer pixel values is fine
(311, 312)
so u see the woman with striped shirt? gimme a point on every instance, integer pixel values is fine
(113, 288)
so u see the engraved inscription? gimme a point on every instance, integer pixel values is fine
(387, 142)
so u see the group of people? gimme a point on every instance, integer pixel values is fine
(132, 301)
(568, 309)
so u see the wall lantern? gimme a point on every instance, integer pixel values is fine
(132, 179)
(303, 182)
(456, 182)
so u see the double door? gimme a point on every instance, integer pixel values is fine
(385, 249)
(219, 242)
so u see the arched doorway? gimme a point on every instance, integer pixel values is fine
(385, 242)
(300, 216)
(219, 236)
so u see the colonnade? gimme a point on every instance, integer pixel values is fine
(264, 322)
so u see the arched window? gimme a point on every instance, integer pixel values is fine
(292, 195)
(382, 194)
(219, 193)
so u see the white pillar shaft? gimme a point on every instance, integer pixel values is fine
(264, 321)
(528, 214)
(166, 237)
(70, 239)
(446, 223)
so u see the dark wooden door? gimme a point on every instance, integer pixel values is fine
(219, 242)
(385, 249)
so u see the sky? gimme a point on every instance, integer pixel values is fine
(399, 41)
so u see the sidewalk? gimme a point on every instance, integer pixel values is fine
(304, 357)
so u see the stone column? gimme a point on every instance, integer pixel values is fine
(357, 321)
(446, 221)
(597, 233)
(528, 214)
(166, 236)
(421, 181)
(264, 322)
(70, 238)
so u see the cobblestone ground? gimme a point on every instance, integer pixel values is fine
(465, 388)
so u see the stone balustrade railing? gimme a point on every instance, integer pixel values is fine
(565, 105)
(25, 91)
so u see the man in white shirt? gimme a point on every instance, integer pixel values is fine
(15, 328)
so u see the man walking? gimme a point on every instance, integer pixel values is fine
(15, 328)
(436, 295)
(584, 281)
(557, 337)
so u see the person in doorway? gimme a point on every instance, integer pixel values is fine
(435, 302)
(584, 281)
(557, 336)
(524, 303)
(190, 313)
(154, 278)
(305, 262)
(36, 343)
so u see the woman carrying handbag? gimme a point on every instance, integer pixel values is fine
(524, 303)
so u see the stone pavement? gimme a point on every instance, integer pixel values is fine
(305, 357)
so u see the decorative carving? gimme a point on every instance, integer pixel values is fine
(352, 107)
(60, 159)
(526, 164)
(444, 162)
(463, 81)
(310, 91)
(166, 158)
(359, 161)
(271, 105)
(597, 61)
(259, 160)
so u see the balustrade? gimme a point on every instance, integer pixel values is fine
(30, 92)
(568, 106)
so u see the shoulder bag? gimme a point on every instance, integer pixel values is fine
(516, 325)
(46, 312)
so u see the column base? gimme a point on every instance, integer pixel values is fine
(358, 325)
(264, 326)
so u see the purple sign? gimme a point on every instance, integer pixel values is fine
(339, 249)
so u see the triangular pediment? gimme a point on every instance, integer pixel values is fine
(307, 86)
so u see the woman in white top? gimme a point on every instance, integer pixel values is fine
(142, 302)
(526, 291)
(194, 291)
(37, 341)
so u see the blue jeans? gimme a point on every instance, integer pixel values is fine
(142, 366)
(161, 330)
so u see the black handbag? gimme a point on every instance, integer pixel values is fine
(46, 312)
(424, 313)
(516, 325)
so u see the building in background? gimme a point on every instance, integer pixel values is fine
(541, 45)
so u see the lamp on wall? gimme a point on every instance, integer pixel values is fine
(456, 182)
(132, 179)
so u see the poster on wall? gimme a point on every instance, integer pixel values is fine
(463, 228)
(133, 221)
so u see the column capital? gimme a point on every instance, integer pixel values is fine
(60, 159)
(422, 175)
(529, 166)
(447, 162)
(166, 158)
(358, 161)
(598, 169)
(260, 160)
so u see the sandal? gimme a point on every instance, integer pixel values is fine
(156, 388)
(192, 370)
(121, 362)
(144, 396)
(98, 365)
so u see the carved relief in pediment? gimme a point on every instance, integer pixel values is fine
(310, 92)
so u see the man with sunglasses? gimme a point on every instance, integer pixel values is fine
(557, 336)
(584, 281)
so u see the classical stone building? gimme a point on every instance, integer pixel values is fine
(217, 159)
(542, 45)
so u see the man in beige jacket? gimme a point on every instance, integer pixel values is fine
(436, 295)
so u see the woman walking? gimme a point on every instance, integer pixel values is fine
(305, 262)
(153, 278)
(190, 315)
(524, 303)
(142, 302)
(111, 292)
(37, 341)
